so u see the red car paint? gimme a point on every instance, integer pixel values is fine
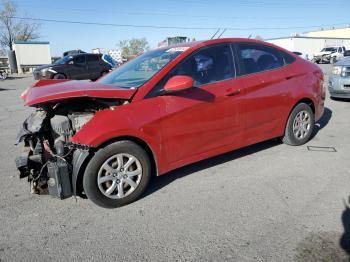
(70, 89)
(199, 122)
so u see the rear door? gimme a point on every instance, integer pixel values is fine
(93, 65)
(265, 90)
(77, 69)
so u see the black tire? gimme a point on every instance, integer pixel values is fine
(90, 184)
(333, 60)
(290, 138)
(104, 73)
(59, 76)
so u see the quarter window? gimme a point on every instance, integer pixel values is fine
(258, 58)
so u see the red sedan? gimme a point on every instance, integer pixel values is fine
(165, 109)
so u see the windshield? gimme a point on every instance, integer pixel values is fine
(139, 70)
(63, 60)
(329, 49)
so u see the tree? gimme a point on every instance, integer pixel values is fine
(13, 30)
(135, 46)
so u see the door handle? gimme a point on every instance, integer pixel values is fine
(231, 92)
(289, 77)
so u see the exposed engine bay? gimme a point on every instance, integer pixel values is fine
(49, 160)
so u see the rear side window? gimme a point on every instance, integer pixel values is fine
(257, 58)
(92, 58)
(80, 59)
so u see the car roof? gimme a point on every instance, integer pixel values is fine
(201, 43)
(197, 44)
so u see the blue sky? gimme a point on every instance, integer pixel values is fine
(182, 13)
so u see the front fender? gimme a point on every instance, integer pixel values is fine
(124, 121)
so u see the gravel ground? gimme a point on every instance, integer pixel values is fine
(267, 202)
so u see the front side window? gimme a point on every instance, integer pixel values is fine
(141, 69)
(257, 58)
(208, 65)
(63, 60)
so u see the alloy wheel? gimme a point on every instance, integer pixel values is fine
(119, 176)
(301, 124)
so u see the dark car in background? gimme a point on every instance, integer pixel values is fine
(78, 66)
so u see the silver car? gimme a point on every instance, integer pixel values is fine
(339, 81)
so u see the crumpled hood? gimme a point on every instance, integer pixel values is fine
(322, 53)
(54, 90)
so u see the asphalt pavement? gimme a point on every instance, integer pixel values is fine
(267, 202)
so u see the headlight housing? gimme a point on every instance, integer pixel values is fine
(45, 70)
(80, 119)
(337, 70)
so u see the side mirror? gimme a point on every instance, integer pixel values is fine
(177, 83)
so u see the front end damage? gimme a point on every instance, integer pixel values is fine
(49, 160)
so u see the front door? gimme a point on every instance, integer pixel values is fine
(199, 122)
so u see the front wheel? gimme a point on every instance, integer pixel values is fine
(300, 125)
(59, 76)
(117, 174)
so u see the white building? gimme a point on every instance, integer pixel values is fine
(309, 45)
(30, 54)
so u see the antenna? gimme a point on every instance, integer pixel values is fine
(223, 31)
(215, 33)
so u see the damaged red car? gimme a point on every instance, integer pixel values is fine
(165, 109)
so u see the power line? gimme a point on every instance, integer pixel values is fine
(171, 27)
(133, 13)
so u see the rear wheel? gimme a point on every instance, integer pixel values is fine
(300, 125)
(117, 174)
(59, 76)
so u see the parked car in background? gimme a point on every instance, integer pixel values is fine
(78, 66)
(73, 52)
(165, 109)
(329, 54)
(304, 56)
(347, 53)
(339, 80)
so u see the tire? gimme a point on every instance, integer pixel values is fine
(300, 125)
(111, 190)
(104, 73)
(59, 76)
(333, 60)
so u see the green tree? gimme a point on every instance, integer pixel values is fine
(12, 29)
(135, 46)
